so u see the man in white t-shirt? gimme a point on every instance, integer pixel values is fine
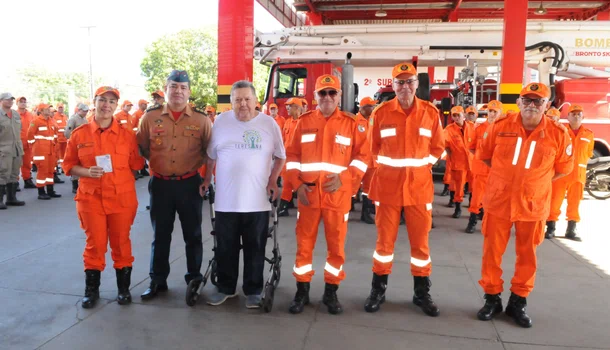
(247, 151)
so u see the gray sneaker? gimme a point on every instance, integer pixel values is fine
(253, 301)
(218, 298)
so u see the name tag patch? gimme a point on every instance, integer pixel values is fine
(388, 132)
(308, 138)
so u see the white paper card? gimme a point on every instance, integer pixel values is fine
(104, 162)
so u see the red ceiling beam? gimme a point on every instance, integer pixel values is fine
(452, 14)
(588, 14)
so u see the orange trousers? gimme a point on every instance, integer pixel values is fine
(60, 151)
(287, 191)
(366, 181)
(575, 193)
(496, 232)
(26, 165)
(477, 188)
(458, 180)
(418, 219)
(46, 168)
(447, 176)
(335, 230)
(100, 228)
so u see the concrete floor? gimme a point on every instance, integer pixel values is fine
(42, 281)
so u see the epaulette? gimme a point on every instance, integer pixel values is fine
(154, 107)
(306, 113)
(79, 127)
(560, 126)
(351, 115)
(199, 111)
(381, 105)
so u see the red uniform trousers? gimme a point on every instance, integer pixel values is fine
(26, 165)
(575, 194)
(477, 188)
(46, 167)
(101, 227)
(419, 223)
(496, 232)
(335, 230)
(458, 180)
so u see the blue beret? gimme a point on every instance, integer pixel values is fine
(179, 76)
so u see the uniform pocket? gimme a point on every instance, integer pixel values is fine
(121, 158)
(86, 156)
(194, 139)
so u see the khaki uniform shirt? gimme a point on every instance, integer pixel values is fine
(10, 134)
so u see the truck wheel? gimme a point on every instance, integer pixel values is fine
(423, 91)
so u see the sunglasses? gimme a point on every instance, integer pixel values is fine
(331, 93)
(403, 82)
(537, 102)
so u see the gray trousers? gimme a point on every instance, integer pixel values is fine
(9, 168)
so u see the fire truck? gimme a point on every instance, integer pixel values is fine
(569, 56)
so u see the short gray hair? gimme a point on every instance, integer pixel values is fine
(243, 84)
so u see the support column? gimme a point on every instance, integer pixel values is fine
(235, 46)
(450, 74)
(431, 74)
(513, 46)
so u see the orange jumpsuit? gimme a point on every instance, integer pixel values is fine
(42, 136)
(287, 134)
(480, 171)
(574, 183)
(447, 175)
(26, 166)
(135, 119)
(406, 145)
(456, 140)
(320, 147)
(280, 121)
(519, 193)
(124, 118)
(372, 166)
(61, 121)
(106, 206)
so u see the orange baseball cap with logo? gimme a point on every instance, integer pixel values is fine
(304, 101)
(127, 103)
(575, 108)
(294, 101)
(142, 101)
(104, 89)
(403, 68)
(537, 89)
(471, 109)
(553, 112)
(18, 99)
(42, 106)
(158, 92)
(327, 81)
(273, 105)
(367, 101)
(457, 109)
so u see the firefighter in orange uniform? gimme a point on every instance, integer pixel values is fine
(294, 107)
(553, 113)
(42, 136)
(480, 170)
(61, 121)
(325, 163)
(26, 120)
(137, 115)
(582, 146)
(273, 113)
(367, 105)
(526, 152)
(123, 117)
(103, 154)
(471, 114)
(211, 113)
(458, 135)
(407, 139)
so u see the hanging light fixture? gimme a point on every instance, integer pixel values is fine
(540, 10)
(381, 13)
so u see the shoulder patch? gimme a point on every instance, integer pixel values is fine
(155, 107)
(199, 110)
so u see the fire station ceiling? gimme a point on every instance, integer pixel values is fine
(408, 11)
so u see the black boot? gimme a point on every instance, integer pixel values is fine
(34, 168)
(451, 195)
(17, 189)
(74, 186)
(366, 215)
(330, 299)
(377, 296)
(153, 289)
(472, 223)
(144, 172)
(458, 211)
(353, 203)
(550, 230)
(11, 195)
(282, 210)
(123, 281)
(92, 288)
(2, 193)
(469, 199)
(56, 179)
(492, 307)
(291, 204)
(481, 214)
(28, 183)
(421, 296)
(445, 191)
(516, 309)
(301, 298)
(42, 194)
(571, 232)
(51, 192)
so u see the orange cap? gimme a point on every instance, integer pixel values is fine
(403, 68)
(126, 103)
(553, 112)
(142, 102)
(327, 81)
(575, 108)
(304, 101)
(294, 101)
(158, 92)
(495, 105)
(102, 90)
(367, 101)
(536, 89)
(457, 109)
(273, 105)
(210, 109)
(21, 98)
(471, 109)
(42, 106)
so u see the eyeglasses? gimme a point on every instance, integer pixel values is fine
(537, 102)
(403, 82)
(331, 93)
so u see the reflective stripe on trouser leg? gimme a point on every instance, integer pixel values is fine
(458, 178)
(575, 194)
(477, 188)
(496, 232)
(44, 175)
(558, 192)
(335, 230)
(119, 226)
(419, 222)
(308, 220)
(387, 219)
(96, 244)
(528, 236)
